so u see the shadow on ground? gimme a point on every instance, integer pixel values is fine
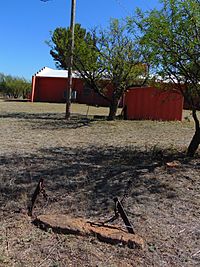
(51, 121)
(85, 181)
(162, 202)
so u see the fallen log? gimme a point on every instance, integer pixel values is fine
(112, 234)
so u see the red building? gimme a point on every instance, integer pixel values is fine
(142, 103)
(50, 85)
(149, 103)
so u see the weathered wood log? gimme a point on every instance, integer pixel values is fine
(112, 234)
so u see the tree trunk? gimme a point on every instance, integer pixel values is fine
(196, 138)
(113, 110)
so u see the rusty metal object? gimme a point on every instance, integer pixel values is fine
(39, 189)
(120, 210)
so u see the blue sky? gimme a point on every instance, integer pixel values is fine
(26, 25)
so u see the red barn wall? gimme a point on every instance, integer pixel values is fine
(53, 89)
(150, 103)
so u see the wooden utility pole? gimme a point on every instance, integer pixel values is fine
(69, 84)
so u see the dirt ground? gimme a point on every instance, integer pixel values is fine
(85, 163)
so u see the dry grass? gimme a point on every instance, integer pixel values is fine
(86, 163)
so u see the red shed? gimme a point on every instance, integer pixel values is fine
(146, 103)
(50, 85)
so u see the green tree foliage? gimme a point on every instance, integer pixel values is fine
(103, 57)
(60, 47)
(1, 77)
(14, 86)
(170, 38)
(2, 83)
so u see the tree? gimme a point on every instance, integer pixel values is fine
(2, 84)
(60, 43)
(170, 37)
(105, 57)
(14, 86)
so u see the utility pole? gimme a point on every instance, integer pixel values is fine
(69, 83)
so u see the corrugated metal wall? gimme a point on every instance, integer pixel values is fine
(53, 89)
(149, 103)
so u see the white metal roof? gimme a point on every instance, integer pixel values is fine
(48, 72)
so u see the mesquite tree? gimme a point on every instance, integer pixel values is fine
(104, 57)
(170, 38)
(14, 86)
